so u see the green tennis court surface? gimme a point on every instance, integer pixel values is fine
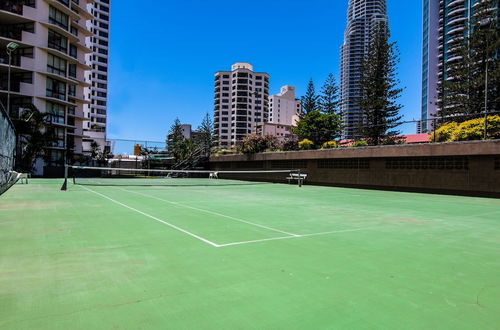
(255, 256)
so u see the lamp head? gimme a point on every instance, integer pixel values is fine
(12, 46)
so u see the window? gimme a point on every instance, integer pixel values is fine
(101, 94)
(73, 52)
(99, 85)
(56, 65)
(58, 41)
(72, 90)
(56, 112)
(72, 70)
(58, 18)
(56, 89)
(101, 103)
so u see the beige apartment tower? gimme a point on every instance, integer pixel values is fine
(241, 101)
(48, 68)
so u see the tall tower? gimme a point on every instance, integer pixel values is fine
(362, 18)
(444, 21)
(96, 112)
(241, 100)
(430, 46)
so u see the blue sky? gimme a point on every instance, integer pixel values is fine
(164, 54)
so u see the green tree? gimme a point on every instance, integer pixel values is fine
(310, 100)
(205, 137)
(35, 133)
(379, 89)
(175, 139)
(329, 98)
(94, 149)
(319, 127)
(473, 56)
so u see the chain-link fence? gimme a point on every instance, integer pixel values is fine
(7, 147)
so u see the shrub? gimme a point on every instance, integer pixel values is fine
(468, 130)
(443, 133)
(474, 129)
(329, 145)
(359, 143)
(254, 143)
(291, 144)
(306, 144)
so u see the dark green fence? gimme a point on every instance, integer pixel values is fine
(7, 147)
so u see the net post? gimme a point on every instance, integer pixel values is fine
(300, 179)
(65, 184)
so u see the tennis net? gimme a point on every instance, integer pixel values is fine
(109, 176)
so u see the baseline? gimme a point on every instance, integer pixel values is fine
(214, 213)
(154, 218)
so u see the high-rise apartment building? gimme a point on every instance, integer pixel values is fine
(94, 126)
(241, 101)
(362, 18)
(284, 108)
(443, 22)
(48, 68)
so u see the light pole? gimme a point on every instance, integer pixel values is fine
(12, 46)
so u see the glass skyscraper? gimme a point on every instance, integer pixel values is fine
(362, 17)
(443, 22)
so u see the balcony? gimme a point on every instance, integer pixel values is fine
(16, 6)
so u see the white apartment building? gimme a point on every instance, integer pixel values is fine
(48, 68)
(284, 108)
(94, 126)
(241, 101)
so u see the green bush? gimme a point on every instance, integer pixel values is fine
(359, 143)
(254, 143)
(468, 130)
(329, 145)
(443, 133)
(291, 144)
(474, 129)
(306, 144)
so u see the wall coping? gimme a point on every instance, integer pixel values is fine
(463, 148)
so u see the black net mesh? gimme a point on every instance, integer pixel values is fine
(7, 148)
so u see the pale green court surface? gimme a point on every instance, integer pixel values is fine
(249, 256)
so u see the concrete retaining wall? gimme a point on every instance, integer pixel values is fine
(471, 168)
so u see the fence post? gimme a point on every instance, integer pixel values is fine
(65, 184)
(434, 129)
(485, 133)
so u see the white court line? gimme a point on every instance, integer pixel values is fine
(154, 218)
(289, 237)
(214, 213)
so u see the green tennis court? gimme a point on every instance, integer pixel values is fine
(246, 256)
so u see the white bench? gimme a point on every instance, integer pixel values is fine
(297, 176)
